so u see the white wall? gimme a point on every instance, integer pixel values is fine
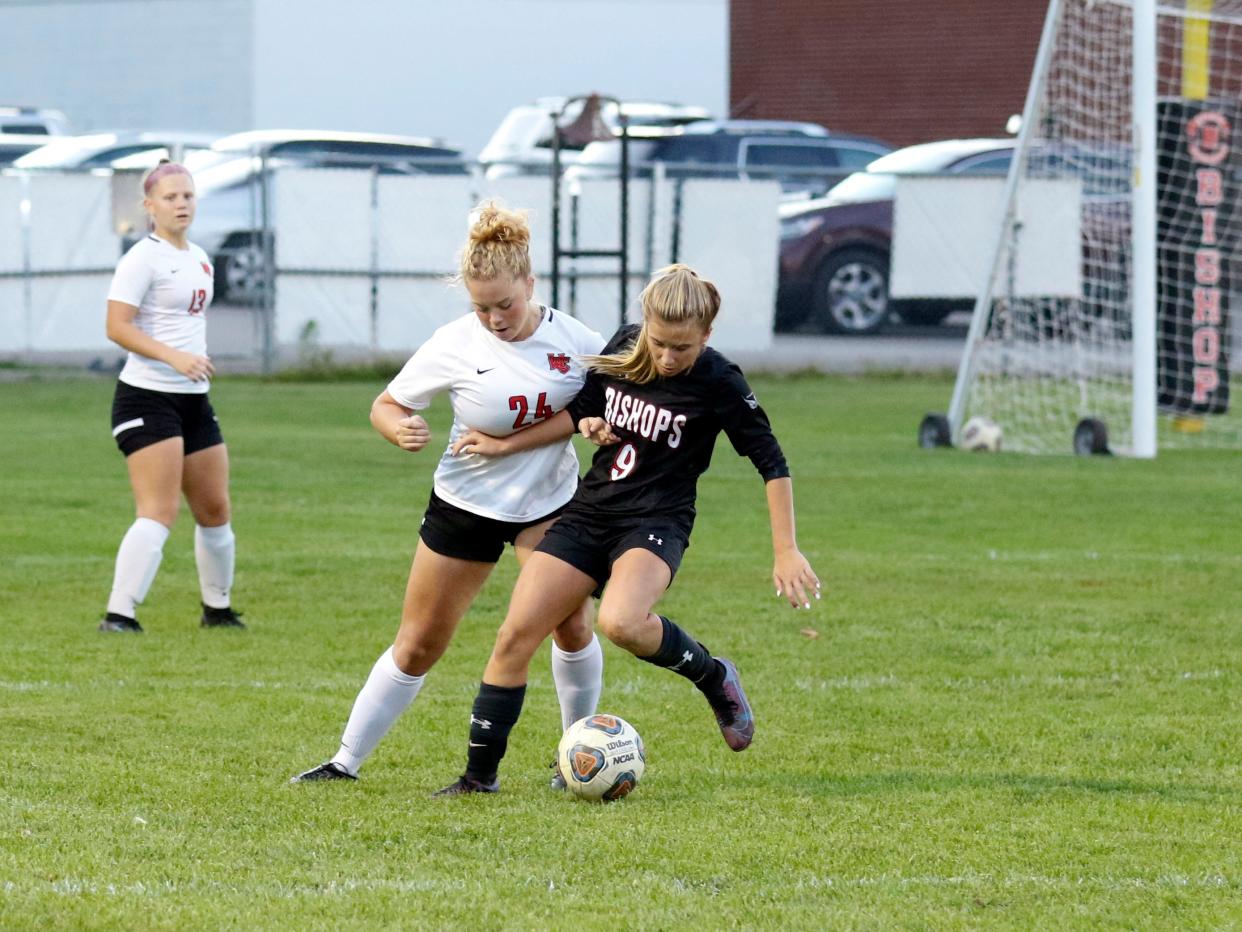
(454, 69)
(140, 64)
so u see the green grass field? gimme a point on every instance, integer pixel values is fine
(1017, 705)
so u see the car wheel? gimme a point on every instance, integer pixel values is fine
(240, 272)
(851, 293)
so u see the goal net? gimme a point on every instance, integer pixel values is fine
(1136, 342)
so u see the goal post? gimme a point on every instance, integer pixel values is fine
(1128, 125)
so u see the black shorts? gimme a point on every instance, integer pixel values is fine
(593, 543)
(141, 417)
(454, 532)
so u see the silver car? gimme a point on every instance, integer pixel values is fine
(123, 148)
(229, 178)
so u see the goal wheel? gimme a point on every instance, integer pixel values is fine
(1090, 437)
(934, 432)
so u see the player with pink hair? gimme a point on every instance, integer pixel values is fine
(162, 419)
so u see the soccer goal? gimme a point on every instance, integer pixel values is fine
(1131, 111)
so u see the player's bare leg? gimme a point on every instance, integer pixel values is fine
(438, 593)
(155, 477)
(548, 588)
(639, 578)
(577, 657)
(205, 482)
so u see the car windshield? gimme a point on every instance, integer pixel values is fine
(68, 150)
(608, 152)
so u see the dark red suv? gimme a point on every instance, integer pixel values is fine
(834, 254)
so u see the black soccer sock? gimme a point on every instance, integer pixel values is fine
(684, 655)
(496, 710)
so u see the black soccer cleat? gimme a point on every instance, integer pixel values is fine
(468, 784)
(326, 771)
(220, 618)
(120, 624)
(733, 712)
(557, 782)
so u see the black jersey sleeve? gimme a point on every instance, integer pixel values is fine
(747, 425)
(589, 402)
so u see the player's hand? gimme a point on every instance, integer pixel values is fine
(195, 368)
(475, 441)
(413, 433)
(598, 431)
(795, 580)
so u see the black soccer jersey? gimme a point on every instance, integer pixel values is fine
(668, 428)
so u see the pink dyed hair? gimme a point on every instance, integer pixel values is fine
(162, 170)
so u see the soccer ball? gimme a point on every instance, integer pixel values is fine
(981, 434)
(601, 757)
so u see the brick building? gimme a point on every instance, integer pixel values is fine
(903, 70)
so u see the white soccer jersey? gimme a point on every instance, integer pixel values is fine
(498, 388)
(171, 288)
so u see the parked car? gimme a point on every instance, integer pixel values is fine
(15, 145)
(522, 143)
(107, 150)
(835, 250)
(33, 121)
(228, 177)
(803, 157)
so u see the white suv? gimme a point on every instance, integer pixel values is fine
(522, 143)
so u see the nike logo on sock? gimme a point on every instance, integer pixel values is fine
(481, 371)
(475, 745)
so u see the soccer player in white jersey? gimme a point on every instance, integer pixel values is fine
(162, 419)
(510, 363)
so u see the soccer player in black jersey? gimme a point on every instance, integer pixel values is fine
(655, 400)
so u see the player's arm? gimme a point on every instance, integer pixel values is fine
(398, 424)
(553, 430)
(122, 331)
(791, 572)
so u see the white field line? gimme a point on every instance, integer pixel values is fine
(1074, 556)
(1107, 883)
(856, 683)
(891, 681)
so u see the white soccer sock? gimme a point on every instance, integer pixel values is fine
(214, 548)
(137, 560)
(579, 678)
(387, 693)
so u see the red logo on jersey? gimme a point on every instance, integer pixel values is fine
(206, 268)
(558, 362)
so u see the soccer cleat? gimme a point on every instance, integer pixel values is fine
(220, 618)
(557, 782)
(120, 623)
(326, 771)
(733, 712)
(468, 784)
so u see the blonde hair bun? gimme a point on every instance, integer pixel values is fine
(499, 244)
